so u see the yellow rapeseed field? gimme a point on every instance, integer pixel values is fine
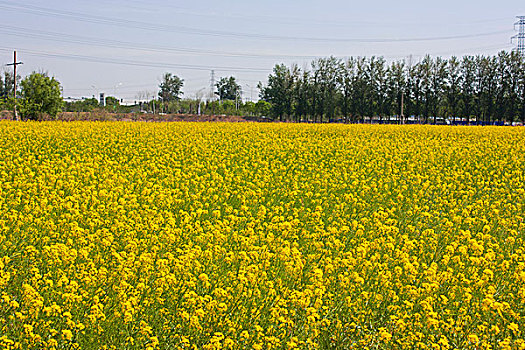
(261, 236)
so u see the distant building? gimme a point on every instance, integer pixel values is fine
(72, 99)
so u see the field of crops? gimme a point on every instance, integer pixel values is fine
(261, 236)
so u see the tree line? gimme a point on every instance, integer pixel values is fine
(479, 88)
(227, 99)
(473, 88)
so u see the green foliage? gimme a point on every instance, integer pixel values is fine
(170, 88)
(228, 89)
(6, 85)
(112, 101)
(41, 95)
(249, 108)
(262, 108)
(228, 105)
(86, 105)
(213, 107)
(7, 103)
(278, 92)
(483, 88)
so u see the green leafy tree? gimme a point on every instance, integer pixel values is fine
(438, 86)
(515, 62)
(41, 95)
(362, 87)
(249, 108)
(506, 96)
(521, 88)
(263, 108)
(86, 105)
(170, 88)
(396, 86)
(346, 79)
(6, 85)
(228, 107)
(112, 101)
(3, 88)
(468, 69)
(485, 88)
(301, 91)
(379, 89)
(414, 91)
(428, 97)
(453, 87)
(228, 89)
(328, 86)
(112, 104)
(278, 92)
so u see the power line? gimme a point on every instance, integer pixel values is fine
(279, 18)
(41, 11)
(309, 21)
(106, 60)
(75, 39)
(93, 59)
(468, 50)
(67, 38)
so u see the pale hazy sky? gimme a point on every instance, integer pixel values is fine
(122, 47)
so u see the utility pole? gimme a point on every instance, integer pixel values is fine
(14, 64)
(520, 37)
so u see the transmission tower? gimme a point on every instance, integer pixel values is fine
(520, 37)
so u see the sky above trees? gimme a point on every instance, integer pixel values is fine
(124, 47)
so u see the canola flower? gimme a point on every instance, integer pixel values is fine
(259, 236)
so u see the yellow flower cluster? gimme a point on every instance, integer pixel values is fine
(259, 236)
